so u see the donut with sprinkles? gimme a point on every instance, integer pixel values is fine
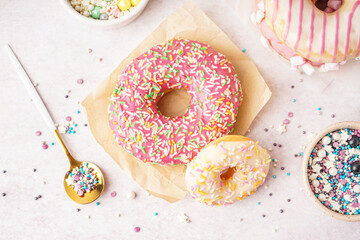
(229, 169)
(210, 80)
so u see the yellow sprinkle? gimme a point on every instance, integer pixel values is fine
(233, 187)
(219, 197)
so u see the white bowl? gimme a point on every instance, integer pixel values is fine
(308, 151)
(106, 24)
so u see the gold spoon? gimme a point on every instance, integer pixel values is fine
(87, 197)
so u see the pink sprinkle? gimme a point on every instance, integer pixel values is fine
(286, 121)
(136, 229)
(113, 194)
(340, 165)
(290, 114)
(332, 194)
(342, 152)
(335, 144)
(343, 182)
(80, 81)
(80, 193)
(68, 118)
(76, 178)
(327, 203)
(38, 133)
(45, 146)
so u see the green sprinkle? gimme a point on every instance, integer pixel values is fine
(177, 158)
(187, 77)
(204, 48)
(164, 58)
(156, 87)
(197, 89)
(141, 99)
(177, 131)
(158, 151)
(139, 109)
(121, 102)
(167, 76)
(143, 150)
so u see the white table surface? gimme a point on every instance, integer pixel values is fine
(54, 49)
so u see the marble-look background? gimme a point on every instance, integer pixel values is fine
(54, 49)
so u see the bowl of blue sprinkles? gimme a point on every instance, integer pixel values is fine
(332, 170)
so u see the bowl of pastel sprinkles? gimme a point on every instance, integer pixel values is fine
(332, 170)
(105, 13)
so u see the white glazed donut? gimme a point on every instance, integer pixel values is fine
(306, 35)
(227, 170)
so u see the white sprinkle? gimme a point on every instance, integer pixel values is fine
(184, 218)
(264, 42)
(131, 195)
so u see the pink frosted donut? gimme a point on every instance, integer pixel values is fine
(211, 82)
(320, 33)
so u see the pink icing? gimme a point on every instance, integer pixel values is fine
(300, 25)
(288, 22)
(211, 82)
(336, 36)
(349, 29)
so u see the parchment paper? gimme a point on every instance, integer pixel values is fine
(168, 182)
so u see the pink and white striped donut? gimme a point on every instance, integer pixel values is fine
(307, 36)
(211, 82)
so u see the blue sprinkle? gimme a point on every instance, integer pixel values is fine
(78, 112)
(75, 125)
(274, 176)
(156, 214)
(258, 203)
(243, 50)
(319, 109)
(73, 132)
(97, 203)
(52, 144)
(69, 132)
(288, 174)
(294, 100)
(71, 128)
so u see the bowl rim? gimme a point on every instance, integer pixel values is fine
(137, 10)
(306, 157)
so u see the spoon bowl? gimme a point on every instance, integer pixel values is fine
(88, 196)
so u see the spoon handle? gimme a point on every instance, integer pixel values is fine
(31, 89)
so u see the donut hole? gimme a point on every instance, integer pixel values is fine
(227, 173)
(174, 103)
(328, 6)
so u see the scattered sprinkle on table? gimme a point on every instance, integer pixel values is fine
(38, 133)
(290, 114)
(80, 81)
(97, 203)
(68, 118)
(113, 194)
(136, 229)
(3, 194)
(131, 195)
(156, 214)
(45, 146)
